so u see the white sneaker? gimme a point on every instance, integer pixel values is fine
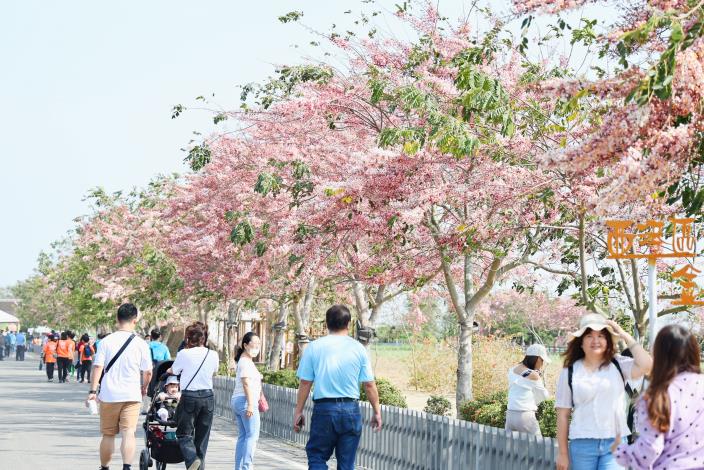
(195, 465)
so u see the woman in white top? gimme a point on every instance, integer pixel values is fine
(194, 414)
(595, 395)
(526, 391)
(245, 400)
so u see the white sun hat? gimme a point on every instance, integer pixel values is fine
(540, 351)
(593, 321)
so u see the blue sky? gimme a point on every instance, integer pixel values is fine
(87, 87)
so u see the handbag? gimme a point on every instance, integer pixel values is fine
(263, 404)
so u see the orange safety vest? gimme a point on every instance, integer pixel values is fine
(65, 348)
(50, 352)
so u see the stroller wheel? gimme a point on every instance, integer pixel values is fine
(144, 460)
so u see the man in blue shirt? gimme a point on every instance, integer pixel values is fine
(159, 351)
(337, 364)
(20, 346)
(13, 341)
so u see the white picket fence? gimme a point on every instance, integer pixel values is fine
(410, 440)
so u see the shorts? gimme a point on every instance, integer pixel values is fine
(119, 417)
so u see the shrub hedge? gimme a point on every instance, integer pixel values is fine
(388, 393)
(491, 411)
(438, 406)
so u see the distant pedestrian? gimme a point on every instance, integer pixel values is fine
(336, 364)
(159, 350)
(591, 394)
(86, 354)
(64, 352)
(98, 340)
(13, 342)
(72, 366)
(2, 345)
(122, 364)
(245, 401)
(526, 391)
(20, 346)
(670, 418)
(194, 415)
(8, 344)
(50, 357)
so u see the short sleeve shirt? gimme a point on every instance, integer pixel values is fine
(600, 400)
(188, 362)
(247, 370)
(122, 383)
(337, 365)
(159, 351)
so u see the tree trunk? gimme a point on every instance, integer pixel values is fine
(278, 330)
(300, 308)
(233, 312)
(464, 365)
(361, 303)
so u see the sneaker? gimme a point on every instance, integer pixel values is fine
(104, 468)
(195, 465)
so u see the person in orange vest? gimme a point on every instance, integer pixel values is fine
(50, 357)
(64, 350)
(86, 353)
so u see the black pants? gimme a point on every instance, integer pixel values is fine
(19, 353)
(63, 363)
(2, 352)
(194, 417)
(50, 370)
(85, 368)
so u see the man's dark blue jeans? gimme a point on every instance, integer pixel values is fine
(194, 417)
(334, 427)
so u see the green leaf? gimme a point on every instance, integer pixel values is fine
(242, 233)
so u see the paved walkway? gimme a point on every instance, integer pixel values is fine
(46, 426)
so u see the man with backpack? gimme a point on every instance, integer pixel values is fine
(122, 364)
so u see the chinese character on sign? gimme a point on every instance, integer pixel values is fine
(618, 241)
(688, 273)
(683, 241)
(651, 237)
(647, 241)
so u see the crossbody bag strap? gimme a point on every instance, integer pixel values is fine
(207, 351)
(112, 361)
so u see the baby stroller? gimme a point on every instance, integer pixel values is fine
(161, 444)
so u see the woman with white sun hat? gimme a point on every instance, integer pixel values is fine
(526, 391)
(591, 390)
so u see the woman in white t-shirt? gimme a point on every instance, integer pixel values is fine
(596, 399)
(194, 414)
(526, 391)
(245, 400)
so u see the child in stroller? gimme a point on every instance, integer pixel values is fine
(160, 423)
(167, 401)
